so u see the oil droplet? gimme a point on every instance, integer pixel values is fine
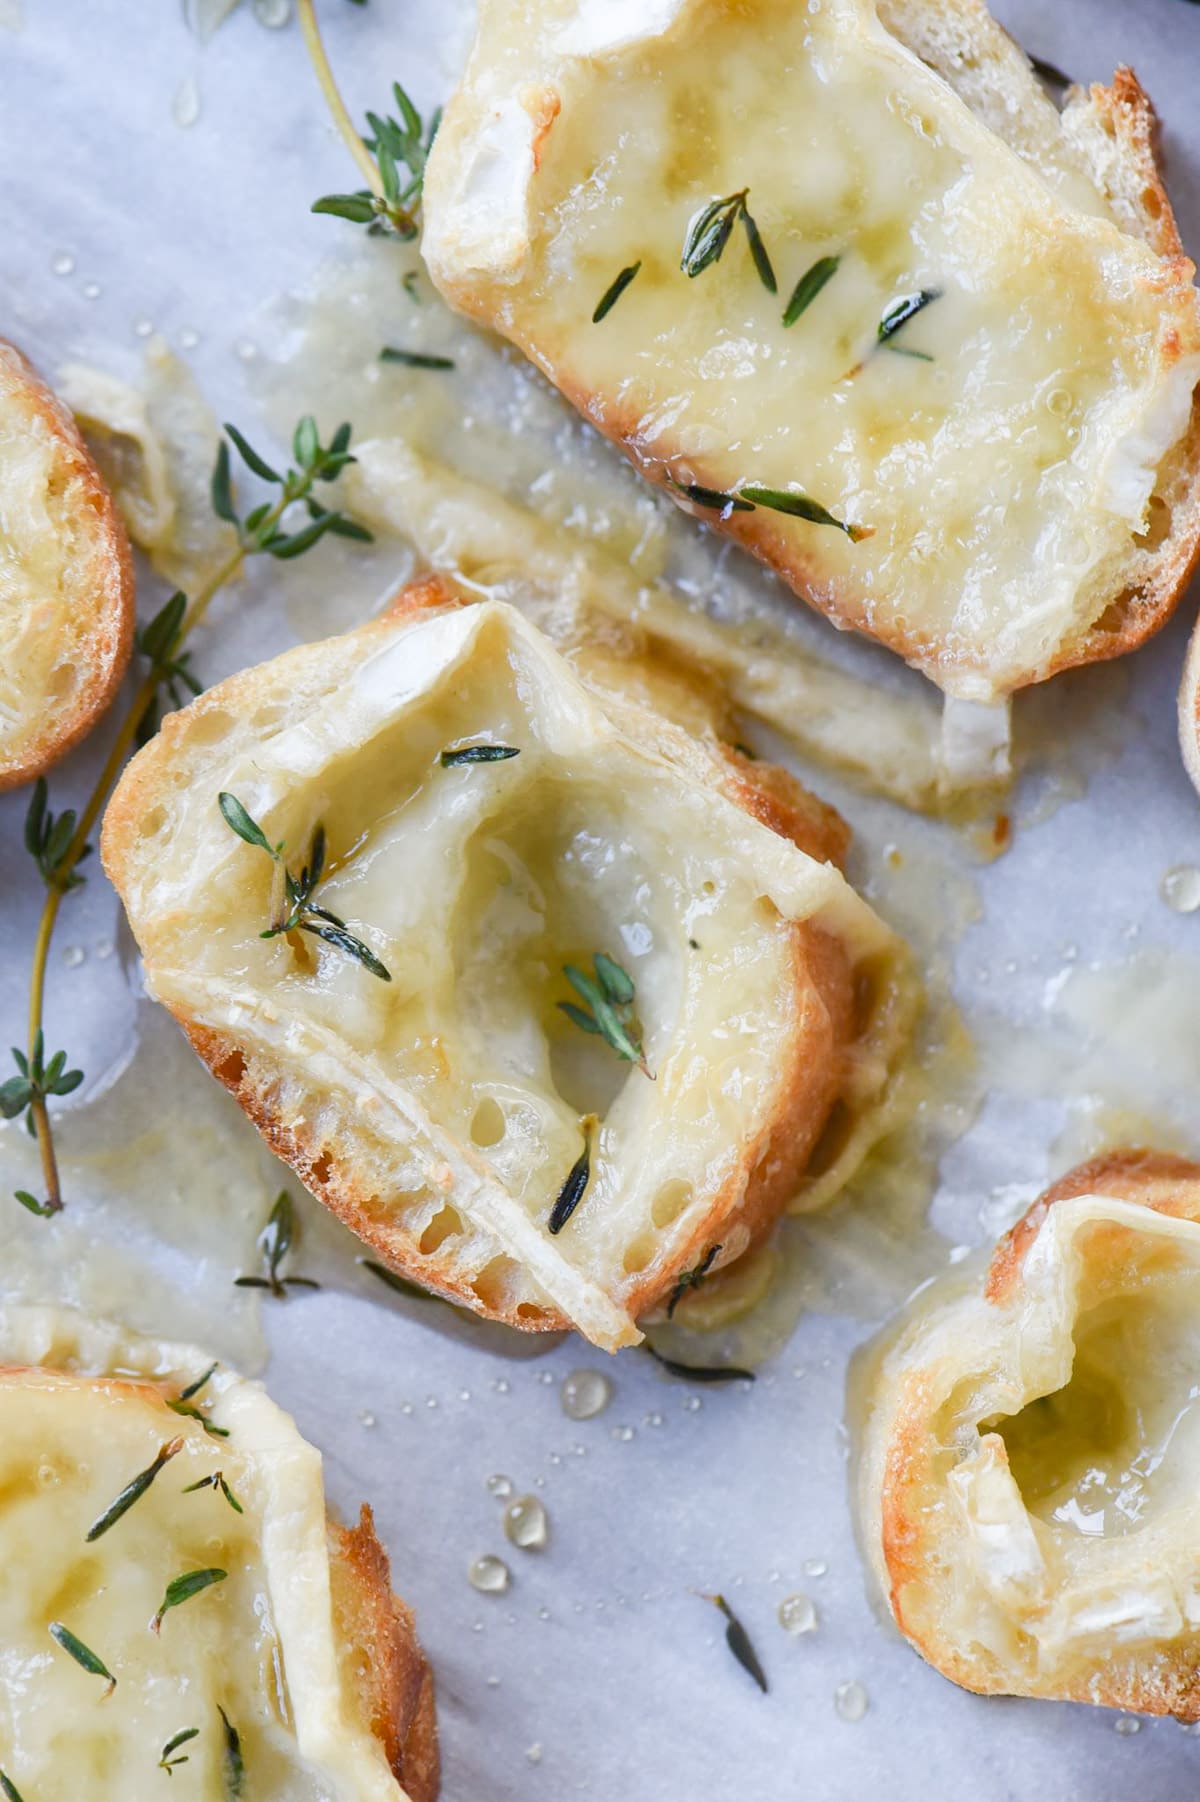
(246, 350)
(545, 1376)
(493, 1682)
(498, 1485)
(73, 956)
(185, 108)
(91, 290)
(815, 1567)
(585, 1393)
(366, 1417)
(625, 1434)
(692, 1403)
(654, 1420)
(143, 328)
(491, 1575)
(63, 263)
(525, 1523)
(850, 1701)
(104, 948)
(1060, 401)
(272, 13)
(189, 338)
(1126, 1724)
(501, 1385)
(797, 1614)
(534, 1752)
(1180, 888)
(543, 1614)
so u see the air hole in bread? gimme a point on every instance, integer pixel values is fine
(446, 1224)
(321, 1168)
(210, 726)
(232, 1069)
(1158, 524)
(529, 1311)
(496, 1281)
(488, 1124)
(152, 822)
(639, 1252)
(670, 1202)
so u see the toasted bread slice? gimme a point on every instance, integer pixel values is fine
(293, 1662)
(992, 391)
(444, 1114)
(66, 580)
(1028, 1483)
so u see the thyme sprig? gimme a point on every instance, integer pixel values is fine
(578, 1178)
(232, 1763)
(181, 1589)
(415, 359)
(691, 1279)
(185, 1404)
(167, 1758)
(698, 1373)
(740, 1643)
(216, 1481)
(83, 1655)
(27, 1093)
(710, 230)
(159, 643)
(610, 997)
(614, 291)
(275, 1242)
(292, 906)
(9, 1790)
(809, 286)
(749, 495)
(133, 1490)
(58, 852)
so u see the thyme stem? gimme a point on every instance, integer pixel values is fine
(337, 106)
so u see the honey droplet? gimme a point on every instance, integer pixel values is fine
(499, 1485)
(525, 1523)
(585, 1393)
(1180, 888)
(490, 1575)
(797, 1614)
(850, 1701)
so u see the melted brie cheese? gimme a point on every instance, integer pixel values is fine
(83, 1410)
(1001, 450)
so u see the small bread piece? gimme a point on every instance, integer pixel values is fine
(66, 580)
(1021, 453)
(298, 1640)
(442, 1113)
(1027, 1485)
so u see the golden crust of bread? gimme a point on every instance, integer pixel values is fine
(90, 616)
(831, 1052)
(381, 1635)
(996, 1588)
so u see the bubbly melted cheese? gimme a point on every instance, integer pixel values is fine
(475, 885)
(1001, 450)
(83, 1410)
(36, 632)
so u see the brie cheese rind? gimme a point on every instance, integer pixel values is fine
(441, 1113)
(302, 1645)
(1022, 452)
(1027, 1484)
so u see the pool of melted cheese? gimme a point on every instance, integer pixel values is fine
(1002, 463)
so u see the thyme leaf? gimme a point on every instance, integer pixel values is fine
(699, 1373)
(133, 1491)
(758, 252)
(1050, 73)
(392, 204)
(184, 1404)
(809, 286)
(415, 359)
(48, 839)
(216, 1481)
(27, 1093)
(275, 1242)
(167, 1761)
(399, 1283)
(181, 1589)
(901, 312)
(609, 995)
(9, 1790)
(710, 230)
(293, 908)
(614, 291)
(740, 1644)
(714, 498)
(575, 1187)
(451, 759)
(260, 530)
(801, 506)
(83, 1655)
(233, 1765)
(159, 641)
(691, 1279)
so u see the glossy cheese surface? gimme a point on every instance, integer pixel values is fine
(83, 1411)
(1001, 449)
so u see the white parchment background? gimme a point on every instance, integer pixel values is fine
(601, 1673)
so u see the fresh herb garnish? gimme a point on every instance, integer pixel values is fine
(133, 1491)
(739, 1643)
(233, 1765)
(389, 204)
(898, 316)
(575, 1187)
(167, 1760)
(216, 1481)
(27, 1093)
(710, 230)
(699, 1373)
(809, 286)
(414, 359)
(292, 906)
(451, 759)
(691, 1279)
(83, 1655)
(275, 1242)
(59, 843)
(778, 500)
(399, 1283)
(184, 1404)
(9, 1790)
(614, 291)
(610, 997)
(181, 1589)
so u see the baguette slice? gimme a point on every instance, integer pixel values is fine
(1029, 1475)
(300, 1644)
(66, 580)
(444, 1113)
(1020, 455)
